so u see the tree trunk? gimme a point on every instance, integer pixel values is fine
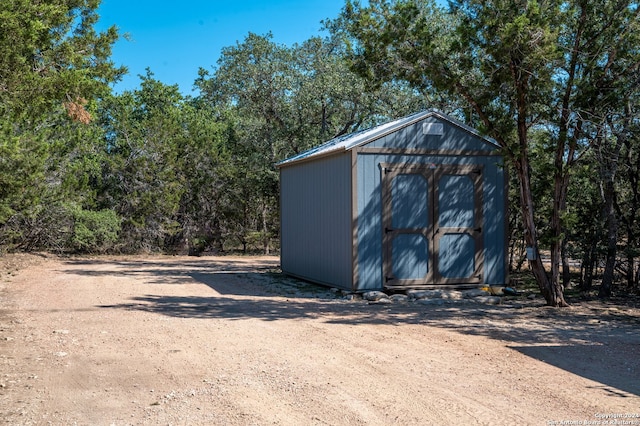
(607, 277)
(628, 218)
(631, 272)
(552, 293)
(216, 232)
(265, 228)
(566, 267)
(588, 262)
(612, 232)
(555, 290)
(608, 153)
(555, 295)
(560, 188)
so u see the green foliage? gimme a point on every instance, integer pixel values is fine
(52, 65)
(280, 101)
(43, 226)
(94, 231)
(143, 131)
(85, 170)
(50, 53)
(22, 159)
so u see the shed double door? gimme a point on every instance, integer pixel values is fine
(432, 225)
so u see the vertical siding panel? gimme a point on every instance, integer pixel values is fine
(369, 223)
(496, 232)
(316, 220)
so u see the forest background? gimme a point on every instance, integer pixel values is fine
(86, 170)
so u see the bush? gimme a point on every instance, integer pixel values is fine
(39, 227)
(94, 231)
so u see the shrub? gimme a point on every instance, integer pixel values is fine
(94, 231)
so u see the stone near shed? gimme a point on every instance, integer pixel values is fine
(424, 294)
(489, 300)
(374, 296)
(399, 298)
(476, 292)
(382, 301)
(452, 295)
(436, 302)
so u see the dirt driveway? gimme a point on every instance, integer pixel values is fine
(225, 341)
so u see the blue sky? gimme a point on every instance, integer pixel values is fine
(174, 39)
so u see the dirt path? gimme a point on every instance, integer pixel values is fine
(222, 341)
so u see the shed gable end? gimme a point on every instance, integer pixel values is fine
(430, 135)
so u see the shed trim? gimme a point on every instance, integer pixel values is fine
(431, 152)
(433, 174)
(507, 207)
(355, 140)
(293, 161)
(354, 220)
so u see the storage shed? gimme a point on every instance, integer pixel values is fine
(417, 202)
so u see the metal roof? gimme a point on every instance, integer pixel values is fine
(347, 142)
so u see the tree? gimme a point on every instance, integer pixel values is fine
(627, 204)
(143, 132)
(519, 66)
(285, 100)
(206, 177)
(50, 54)
(166, 169)
(53, 64)
(625, 200)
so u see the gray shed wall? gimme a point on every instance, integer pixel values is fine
(316, 223)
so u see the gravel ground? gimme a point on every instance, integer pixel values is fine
(230, 341)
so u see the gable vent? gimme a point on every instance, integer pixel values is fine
(436, 129)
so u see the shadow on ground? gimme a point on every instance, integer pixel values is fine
(613, 365)
(593, 340)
